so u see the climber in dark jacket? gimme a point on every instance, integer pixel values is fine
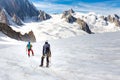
(46, 53)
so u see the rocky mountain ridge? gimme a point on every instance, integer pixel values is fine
(68, 15)
(19, 10)
(14, 12)
(5, 29)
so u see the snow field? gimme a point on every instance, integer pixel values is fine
(87, 57)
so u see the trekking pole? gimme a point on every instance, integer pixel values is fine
(50, 59)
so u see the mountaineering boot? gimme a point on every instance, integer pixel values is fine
(42, 59)
(47, 59)
(28, 55)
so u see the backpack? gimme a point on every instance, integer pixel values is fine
(29, 46)
(46, 49)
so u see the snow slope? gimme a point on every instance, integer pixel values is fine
(54, 28)
(88, 57)
(6, 40)
(57, 28)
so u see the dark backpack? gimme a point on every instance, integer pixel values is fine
(46, 49)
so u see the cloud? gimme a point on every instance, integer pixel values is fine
(106, 7)
(52, 8)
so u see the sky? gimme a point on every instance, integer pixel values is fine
(97, 6)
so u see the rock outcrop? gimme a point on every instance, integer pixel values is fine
(3, 17)
(43, 16)
(113, 19)
(70, 19)
(16, 35)
(116, 16)
(17, 20)
(84, 26)
(117, 22)
(67, 13)
(68, 16)
(22, 8)
(71, 11)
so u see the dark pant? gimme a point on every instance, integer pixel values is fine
(47, 60)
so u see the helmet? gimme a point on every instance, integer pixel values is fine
(46, 42)
(29, 42)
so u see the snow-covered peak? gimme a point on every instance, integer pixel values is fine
(22, 8)
(5, 18)
(57, 27)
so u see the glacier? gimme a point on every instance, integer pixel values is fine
(85, 57)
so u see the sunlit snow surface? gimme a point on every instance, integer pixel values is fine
(54, 28)
(86, 57)
(57, 28)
